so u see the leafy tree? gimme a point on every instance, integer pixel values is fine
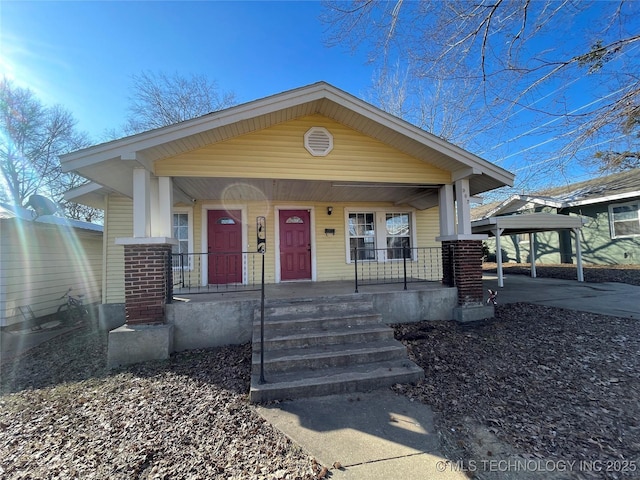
(522, 56)
(32, 138)
(160, 99)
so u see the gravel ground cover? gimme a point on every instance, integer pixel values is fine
(535, 383)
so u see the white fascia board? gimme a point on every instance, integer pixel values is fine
(85, 189)
(128, 147)
(319, 91)
(502, 206)
(405, 128)
(606, 199)
(524, 198)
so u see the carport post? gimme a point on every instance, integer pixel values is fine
(532, 253)
(498, 232)
(576, 231)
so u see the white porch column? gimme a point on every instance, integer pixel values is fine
(446, 202)
(532, 253)
(576, 232)
(141, 203)
(162, 207)
(463, 206)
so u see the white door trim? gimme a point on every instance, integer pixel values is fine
(312, 228)
(204, 272)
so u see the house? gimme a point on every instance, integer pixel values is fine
(42, 257)
(608, 208)
(317, 177)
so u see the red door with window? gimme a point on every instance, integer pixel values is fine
(224, 233)
(295, 245)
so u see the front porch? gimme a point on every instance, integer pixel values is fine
(319, 338)
(204, 320)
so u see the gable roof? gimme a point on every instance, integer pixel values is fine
(111, 164)
(612, 188)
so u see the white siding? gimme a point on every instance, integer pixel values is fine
(41, 262)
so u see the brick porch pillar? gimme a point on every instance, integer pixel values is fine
(462, 268)
(147, 282)
(148, 285)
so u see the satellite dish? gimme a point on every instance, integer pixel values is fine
(42, 205)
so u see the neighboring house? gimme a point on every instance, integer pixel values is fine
(609, 208)
(42, 257)
(328, 172)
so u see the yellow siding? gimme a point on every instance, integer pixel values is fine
(118, 222)
(330, 250)
(278, 152)
(41, 262)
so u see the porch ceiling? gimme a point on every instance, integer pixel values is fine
(274, 190)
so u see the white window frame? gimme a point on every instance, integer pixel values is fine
(380, 231)
(612, 222)
(189, 212)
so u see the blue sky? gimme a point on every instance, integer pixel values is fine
(82, 55)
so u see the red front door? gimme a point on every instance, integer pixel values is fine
(295, 245)
(224, 233)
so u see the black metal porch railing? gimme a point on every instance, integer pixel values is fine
(226, 271)
(373, 266)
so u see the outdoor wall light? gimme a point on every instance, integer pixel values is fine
(329, 210)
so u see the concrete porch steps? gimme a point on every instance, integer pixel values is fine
(324, 347)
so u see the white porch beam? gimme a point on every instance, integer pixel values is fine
(447, 211)
(139, 158)
(141, 203)
(465, 173)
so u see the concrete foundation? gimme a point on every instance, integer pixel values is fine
(230, 322)
(472, 313)
(415, 305)
(139, 343)
(211, 324)
(110, 316)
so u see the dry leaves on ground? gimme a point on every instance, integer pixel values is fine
(187, 417)
(546, 382)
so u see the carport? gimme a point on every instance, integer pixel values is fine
(530, 223)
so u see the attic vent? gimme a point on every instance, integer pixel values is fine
(318, 141)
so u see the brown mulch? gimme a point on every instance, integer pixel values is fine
(535, 383)
(63, 415)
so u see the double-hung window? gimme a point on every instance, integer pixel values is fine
(379, 235)
(183, 232)
(625, 220)
(362, 235)
(398, 235)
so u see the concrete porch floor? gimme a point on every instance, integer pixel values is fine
(297, 290)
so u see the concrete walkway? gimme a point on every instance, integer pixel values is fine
(617, 299)
(381, 435)
(374, 436)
